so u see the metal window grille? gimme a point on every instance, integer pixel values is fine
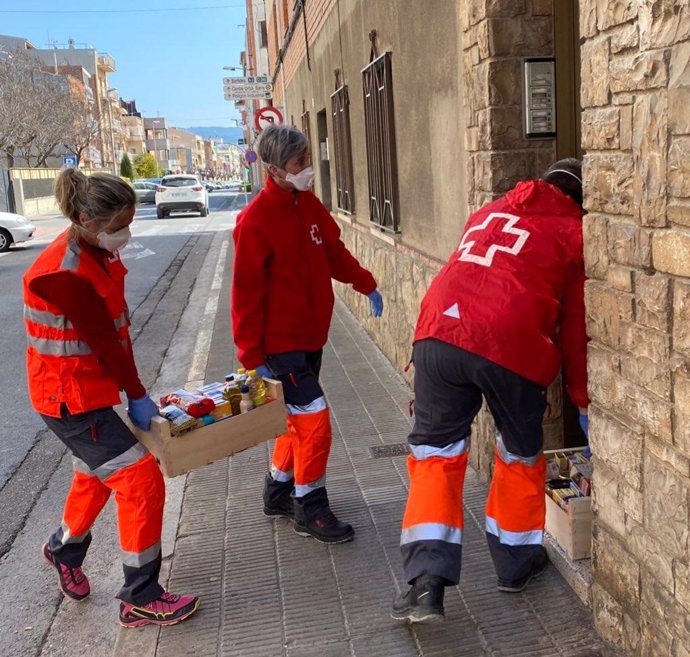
(380, 134)
(342, 146)
(305, 126)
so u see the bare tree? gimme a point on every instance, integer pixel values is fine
(85, 129)
(36, 109)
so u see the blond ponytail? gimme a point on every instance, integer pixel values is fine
(100, 197)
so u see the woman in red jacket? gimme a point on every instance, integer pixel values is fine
(287, 250)
(79, 358)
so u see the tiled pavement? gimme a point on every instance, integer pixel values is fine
(267, 592)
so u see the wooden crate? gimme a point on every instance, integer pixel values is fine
(194, 449)
(572, 528)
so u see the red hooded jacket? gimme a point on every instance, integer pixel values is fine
(287, 249)
(513, 291)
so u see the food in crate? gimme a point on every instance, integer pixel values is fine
(569, 475)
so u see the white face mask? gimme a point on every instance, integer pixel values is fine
(302, 180)
(114, 241)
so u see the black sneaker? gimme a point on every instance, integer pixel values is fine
(278, 498)
(539, 563)
(313, 517)
(326, 529)
(423, 603)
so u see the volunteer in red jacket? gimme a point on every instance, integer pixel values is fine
(287, 250)
(498, 322)
(79, 358)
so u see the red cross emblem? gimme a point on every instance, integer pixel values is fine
(315, 236)
(481, 243)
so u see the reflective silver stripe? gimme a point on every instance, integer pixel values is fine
(79, 466)
(65, 536)
(70, 260)
(139, 559)
(280, 475)
(304, 489)
(421, 452)
(134, 454)
(431, 531)
(46, 318)
(319, 404)
(509, 458)
(531, 537)
(48, 347)
(120, 321)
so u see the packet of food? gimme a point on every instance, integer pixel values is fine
(194, 405)
(178, 419)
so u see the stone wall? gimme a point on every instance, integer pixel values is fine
(636, 134)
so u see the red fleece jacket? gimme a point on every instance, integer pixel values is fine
(287, 249)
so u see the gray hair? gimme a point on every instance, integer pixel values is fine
(281, 142)
(100, 197)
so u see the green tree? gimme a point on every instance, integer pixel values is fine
(126, 168)
(146, 166)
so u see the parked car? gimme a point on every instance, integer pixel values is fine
(14, 228)
(181, 192)
(145, 191)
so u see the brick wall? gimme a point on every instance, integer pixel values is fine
(636, 134)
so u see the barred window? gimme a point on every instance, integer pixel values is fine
(342, 147)
(380, 132)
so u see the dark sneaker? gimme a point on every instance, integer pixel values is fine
(278, 498)
(71, 581)
(167, 610)
(326, 528)
(313, 517)
(423, 603)
(540, 561)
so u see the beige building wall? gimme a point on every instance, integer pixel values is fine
(636, 132)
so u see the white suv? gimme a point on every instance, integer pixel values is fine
(181, 192)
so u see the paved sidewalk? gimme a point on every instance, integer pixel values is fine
(267, 592)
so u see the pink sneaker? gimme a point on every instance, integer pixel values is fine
(167, 610)
(71, 581)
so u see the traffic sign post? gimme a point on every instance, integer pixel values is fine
(259, 87)
(267, 116)
(69, 161)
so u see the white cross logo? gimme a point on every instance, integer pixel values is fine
(314, 232)
(467, 244)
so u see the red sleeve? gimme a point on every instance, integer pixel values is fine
(82, 306)
(573, 338)
(344, 266)
(249, 292)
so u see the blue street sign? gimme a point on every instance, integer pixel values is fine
(69, 161)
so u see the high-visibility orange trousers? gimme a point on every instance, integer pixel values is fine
(304, 450)
(140, 496)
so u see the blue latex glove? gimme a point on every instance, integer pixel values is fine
(376, 301)
(264, 372)
(584, 423)
(141, 411)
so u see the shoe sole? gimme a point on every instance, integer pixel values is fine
(427, 617)
(514, 589)
(328, 541)
(140, 622)
(64, 592)
(271, 513)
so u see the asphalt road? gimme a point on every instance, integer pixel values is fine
(172, 265)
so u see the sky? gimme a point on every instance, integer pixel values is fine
(169, 53)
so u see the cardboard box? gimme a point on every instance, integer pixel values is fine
(571, 526)
(194, 449)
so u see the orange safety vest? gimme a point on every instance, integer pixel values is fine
(62, 368)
